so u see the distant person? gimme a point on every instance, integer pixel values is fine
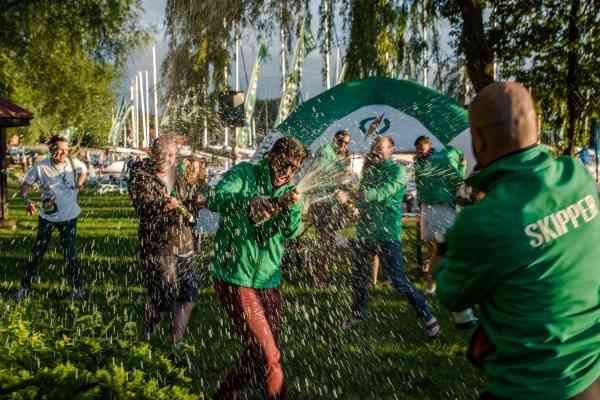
(165, 203)
(60, 178)
(378, 232)
(260, 210)
(527, 253)
(332, 161)
(439, 175)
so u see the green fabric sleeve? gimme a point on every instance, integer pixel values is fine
(468, 272)
(395, 181)
(228, 196)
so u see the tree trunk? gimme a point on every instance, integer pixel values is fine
(572, 75)
(478, 54)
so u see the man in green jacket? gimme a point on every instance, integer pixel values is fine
(439, 175)
(528, 254)
(378, 232)
(260, 210)
(334, 156)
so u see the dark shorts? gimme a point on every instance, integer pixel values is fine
(171, 280)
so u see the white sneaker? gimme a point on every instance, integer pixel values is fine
(433, 328)
(465, 319)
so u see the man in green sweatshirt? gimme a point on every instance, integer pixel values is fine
(260, 210)
(328, 216)
(528, 253)
(379, 231)
(439, 174)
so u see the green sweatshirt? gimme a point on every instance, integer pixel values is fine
(328, 159)
(437, 178)
(529, 255)
(383, 187)
(246, 255)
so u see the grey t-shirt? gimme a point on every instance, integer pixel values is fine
(58, 181)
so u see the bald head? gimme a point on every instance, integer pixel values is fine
(503, 120)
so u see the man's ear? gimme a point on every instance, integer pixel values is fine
(479, 146)
(478, 141)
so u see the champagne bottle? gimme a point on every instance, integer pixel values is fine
(273, 208)
(187, 216)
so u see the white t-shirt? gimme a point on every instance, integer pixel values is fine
(59, 181)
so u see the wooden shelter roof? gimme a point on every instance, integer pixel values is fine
(13, 115)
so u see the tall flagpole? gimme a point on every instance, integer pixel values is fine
(283, 58)
(147, 109)
(136, 134)
(155, 91)
(143, 107)
(226, 141)
(205, 137)
(327, 48)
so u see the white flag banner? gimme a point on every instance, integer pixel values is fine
(306, 44)
(246, 132)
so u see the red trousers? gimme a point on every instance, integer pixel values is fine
(256, 315)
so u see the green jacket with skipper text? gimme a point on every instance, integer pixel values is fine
(529, 254)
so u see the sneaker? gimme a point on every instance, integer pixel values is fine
(433, 328)
(77, 295)
(350, 323)
(21, 294)
(465, 319)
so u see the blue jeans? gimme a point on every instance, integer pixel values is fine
(68, 234)
(391, 259)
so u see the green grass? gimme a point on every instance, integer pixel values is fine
(56, 349)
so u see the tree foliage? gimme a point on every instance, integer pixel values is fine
(551, 46)
(393, 38)
(554, 48)
(201, 35)
(62, 59)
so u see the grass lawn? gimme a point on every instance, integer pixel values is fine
(53, 348)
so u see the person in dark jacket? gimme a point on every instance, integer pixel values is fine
(164, 202)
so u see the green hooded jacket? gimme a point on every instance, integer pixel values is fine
(383, 187)
(437, 177)
(529, 255)
(247, 255)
